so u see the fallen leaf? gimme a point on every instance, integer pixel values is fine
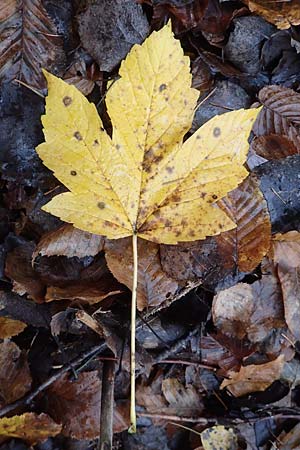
(289, 440)
(15, 378)
(184, 401)
(29, 41)
(154, 286)
(149, 202)
(18, 268)
(83, 77)
(69, 241)
(273, 146)
(283, 14)
(280, 114)
(240, 249)
(76, 404)
(10, 327)
(286, 254)
(219, 438)
(250, 311)
(29, 427)
(119, 25)
(254, 378)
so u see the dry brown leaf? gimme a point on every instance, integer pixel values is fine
(83, 77)
(242, 248)
(273, 146)
(249, 311)
(15, 378)
(283, 14)
(154, 286)
(279, 117)
(18, 268)
(286, 254)
(76, 404)
(29, 427)
(10, 327)
(69, 241)
(185, 401)
(254, 378)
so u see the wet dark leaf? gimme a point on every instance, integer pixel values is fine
(29, 42)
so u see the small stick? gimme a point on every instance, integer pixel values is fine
(27, 399)
(186, 363)
(107, 406)
(132, 428)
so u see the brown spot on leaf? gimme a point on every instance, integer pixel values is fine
(96, 142)
(198, 137)
(101, 129)
(67, 100)
(192, 233)
(169, 169)
(214, 196)
(77, 136)
(101, 205)
(118, 146)
(203, 194)
(73, 173)
(162, 87)
(217, 132)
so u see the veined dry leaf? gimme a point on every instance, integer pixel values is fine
(280, 114)
(185, 401)
(144, 181)
(10, 327)
(254, 378)
(29, 40)
(29, 427)
(219, 438)
(15, 378)
(154, 285)
(69, 241)
(242, 248)
(283, 14)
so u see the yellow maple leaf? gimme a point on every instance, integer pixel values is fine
(144, 181)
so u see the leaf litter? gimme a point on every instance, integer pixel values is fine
(86, 276)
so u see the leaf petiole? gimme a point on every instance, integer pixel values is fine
(132, 428)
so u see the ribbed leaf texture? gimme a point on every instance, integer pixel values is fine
(279, 117)
(28, 42)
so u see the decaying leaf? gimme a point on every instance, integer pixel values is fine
(69, 241)
(219, 438)
(83, 77)
(15, 378)
(29, 41)
(162, 190)
(154, 285)
(29, 427)
(286, 254)
(10, 327)
(273, 146)
(76, 404)
(185, 401)
(239, 249)
(249, 311)
(283, 14)
(254, 378)
(279, 119)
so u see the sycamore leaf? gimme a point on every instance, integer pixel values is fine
(144, 180)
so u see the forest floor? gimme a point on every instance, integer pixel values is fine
(218, 319)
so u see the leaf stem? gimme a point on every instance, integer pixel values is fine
(132, 428)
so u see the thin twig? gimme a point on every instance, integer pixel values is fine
(107, 406)
(27, 399)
